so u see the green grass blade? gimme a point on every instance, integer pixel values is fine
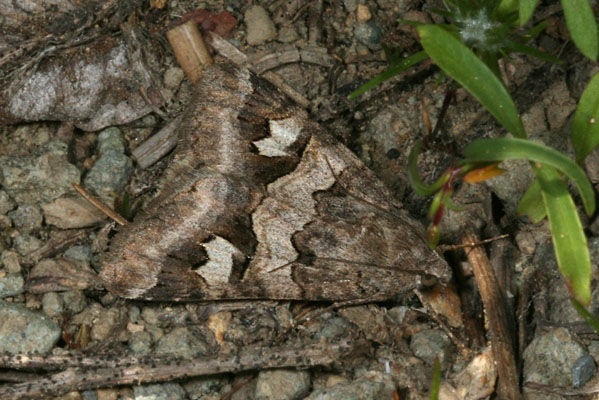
(527, 8)
(531, 203)
(582, 26)
(569, 241)
(516, 47)
(459, 62)
(390, 73)
(585, 126)
(586, 315)
(414, 177)
(511, 149)
(436, 380)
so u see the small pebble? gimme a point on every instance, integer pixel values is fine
(6, 203)
(26, 218)
(583, 370)
(40, 178)
(167, 391)
(10, 260)
(260, 28)
(23, 331)
(369, 34)
(52, 304)
(282, 384)
(431, 343)
(11, 284)
(363, 13)
(181, 342)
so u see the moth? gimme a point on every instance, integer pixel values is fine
(260, 202)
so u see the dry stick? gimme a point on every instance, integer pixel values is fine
(189, 48)
(264, 357)
(227, 50)
(100, 206)
(157, 145)
(501, 341)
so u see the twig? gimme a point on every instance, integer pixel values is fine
(249, 359)
(227, 50)
(157, 145)
(100, 206)
(190, 49)
(501, 340)
(444, 247)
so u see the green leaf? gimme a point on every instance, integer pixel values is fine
(569, 241)
(511, 149)
(436, 380)
(517, 47)
(527, 8)
(390, 73)
(459, 62)
(532, 204)
(587, 316)
(585, 126)
(535, 30)
(414, 177)
(582, 26)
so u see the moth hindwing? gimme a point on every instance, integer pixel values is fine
(261, 202)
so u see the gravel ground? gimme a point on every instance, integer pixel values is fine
(51, 239)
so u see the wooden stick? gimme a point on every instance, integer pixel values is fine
(157, 145)
(501, 339)
(189, 48)
(100, 206)
(248, 359)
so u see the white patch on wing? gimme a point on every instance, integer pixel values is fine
(283, 133)
(219, 267)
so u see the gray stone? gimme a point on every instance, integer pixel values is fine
(10, 260)
(140, 343)
(334, 328)
(199, 388)
(111, 140)
(583, 370)
(6, 203)
(26, 218)
(373, 386)
(52, 304)
(79, 253)
(550, 358)
(74, 301)
(40, 178)
(260, 28)
(72, 212)
(104, 325)
(431, 343)
(110, 174)
(23, 331)
(369, 34)
(11, 284)
(173, 77)
(282, 384)
(351, 5)
(181, 342)
(25, 244)
(288, 34)
(167, 391)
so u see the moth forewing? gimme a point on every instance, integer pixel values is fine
(261, 202)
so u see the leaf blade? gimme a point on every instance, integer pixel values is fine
(585, 125)
(582, 26)
(569, 240)
(512, 149)
(459, 62)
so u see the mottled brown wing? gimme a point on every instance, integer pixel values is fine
(260, 202)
